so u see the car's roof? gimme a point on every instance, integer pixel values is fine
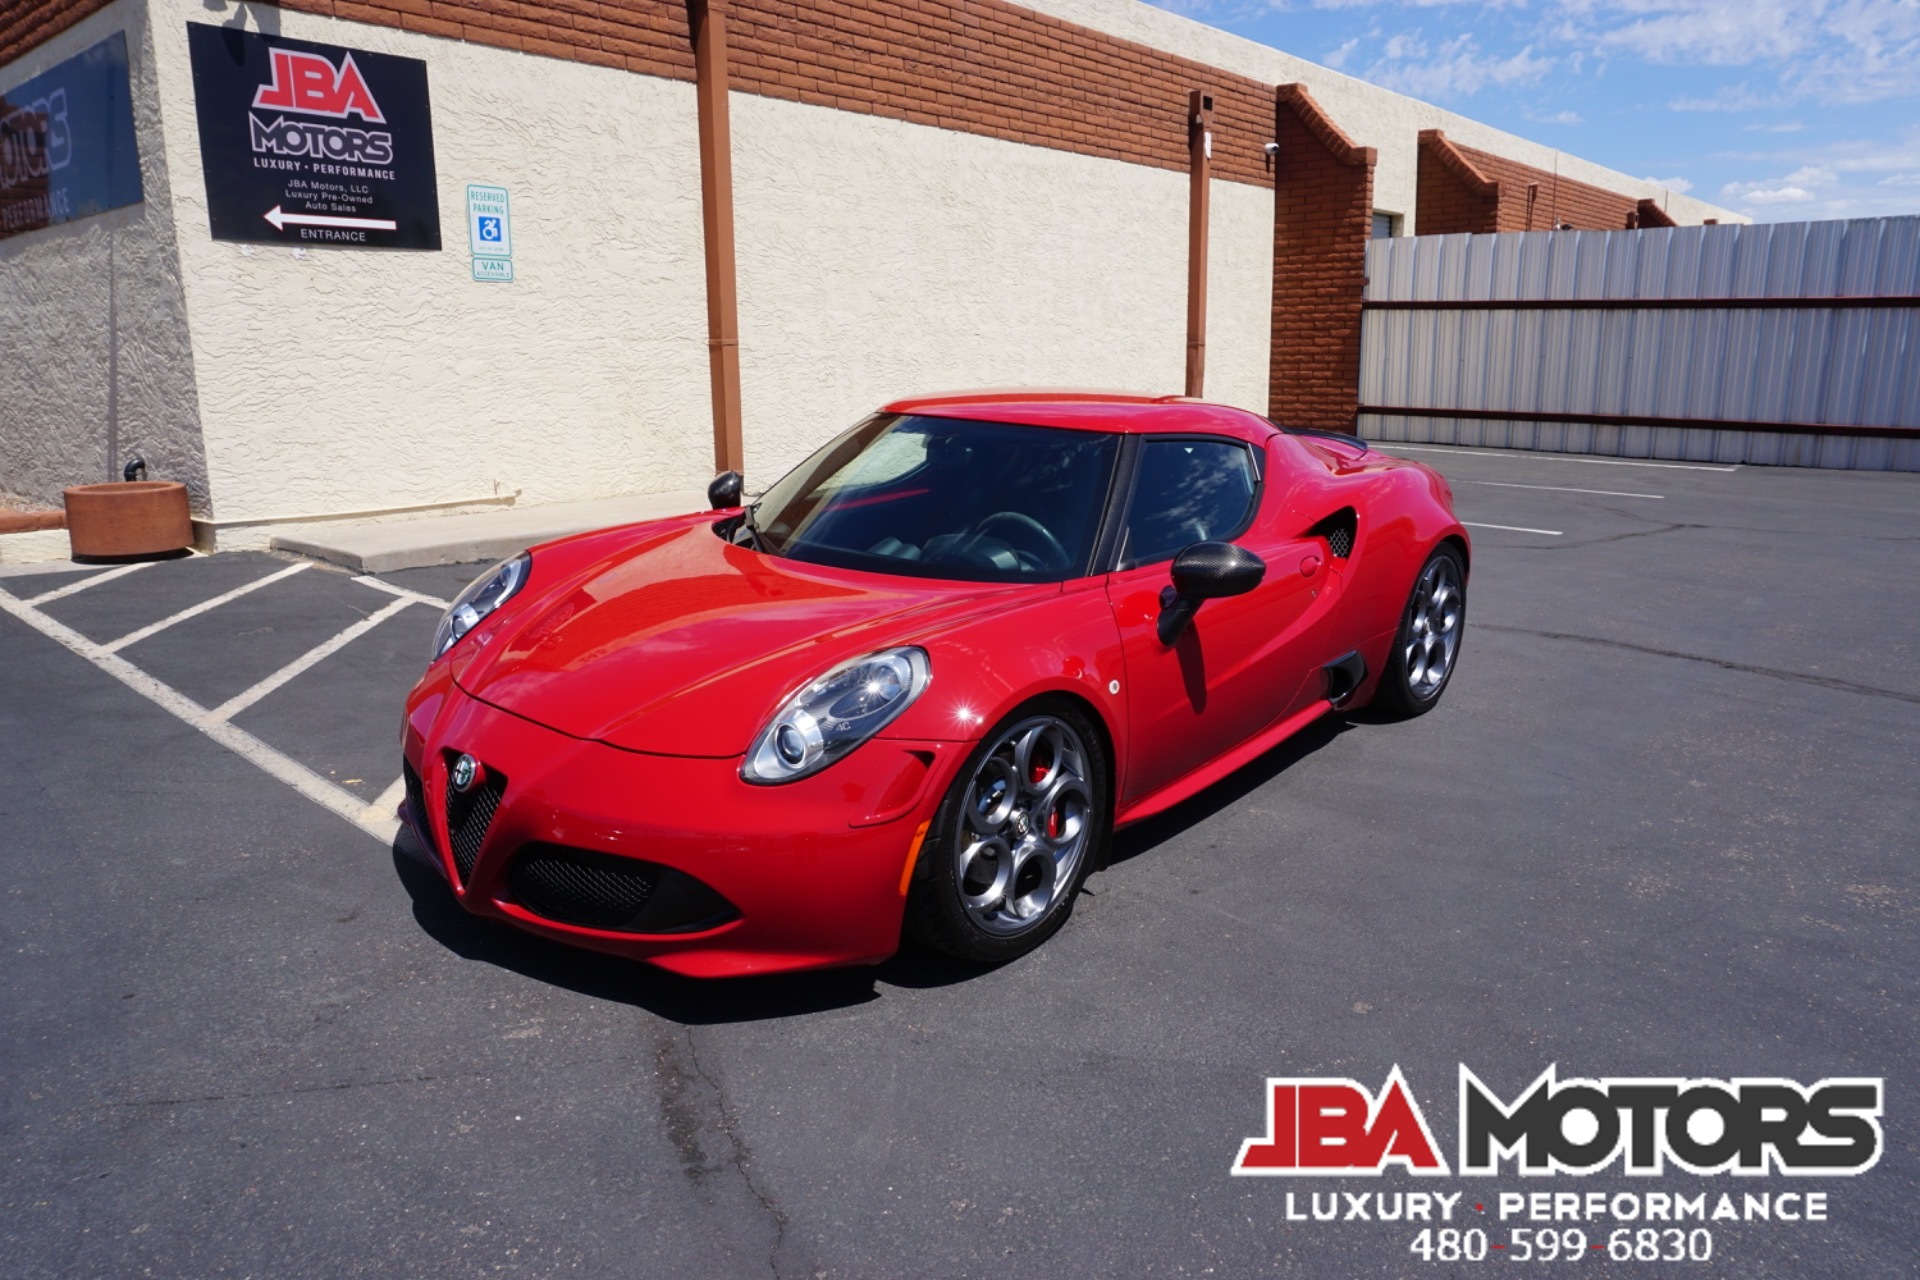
(1088, 411)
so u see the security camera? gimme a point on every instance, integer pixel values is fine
(1272, 148)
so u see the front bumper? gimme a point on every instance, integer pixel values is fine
(804, 875)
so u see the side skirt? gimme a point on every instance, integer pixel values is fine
(1208, 774)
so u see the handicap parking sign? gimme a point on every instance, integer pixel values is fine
(489, 231)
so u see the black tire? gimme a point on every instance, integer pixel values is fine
(1408, 687)
(950, 909)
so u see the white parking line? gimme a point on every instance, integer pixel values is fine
(388, 801)
(1389, 446)
(403, 593)
(1510, 528)
(62, 593)
(247, 697)
(1561, 488)
(302, 779)
(134, 637)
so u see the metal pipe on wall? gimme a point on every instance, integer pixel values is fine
(709, 21)
(1200, 161)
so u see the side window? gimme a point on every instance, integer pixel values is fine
(1188, 491)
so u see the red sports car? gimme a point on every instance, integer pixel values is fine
(917, 684)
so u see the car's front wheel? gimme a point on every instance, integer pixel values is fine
(1014, 837)
(1428, 643)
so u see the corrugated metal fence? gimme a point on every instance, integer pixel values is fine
(1796, 344)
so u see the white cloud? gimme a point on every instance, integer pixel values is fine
(1680, 185)
(1835, 52)
(1830, 51)
(1458, 68)
(1732, 98)
(1846, 178)
(1776, 195)
(1337, 58)
(1812, 175)
(1559, 117)
(1402, 45)
(1720, 32)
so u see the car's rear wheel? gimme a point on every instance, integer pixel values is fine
(1428, 643)
(1014, 837)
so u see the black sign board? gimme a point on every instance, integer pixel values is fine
(312, 144)
(66, 141)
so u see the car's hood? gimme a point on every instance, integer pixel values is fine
(682, 644)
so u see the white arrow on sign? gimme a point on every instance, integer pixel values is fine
(280, 220)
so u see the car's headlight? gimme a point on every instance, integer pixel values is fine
(485, 594)
(836, 713)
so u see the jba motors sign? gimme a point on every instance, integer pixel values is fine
(1750, 1126)
(67, 147)
(313, 144)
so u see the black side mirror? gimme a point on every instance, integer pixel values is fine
(724, 492)
(1205, 571)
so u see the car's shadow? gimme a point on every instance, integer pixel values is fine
(1142, 837)
(698, 1002)
(689, 1001)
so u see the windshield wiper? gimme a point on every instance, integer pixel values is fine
(759, 540)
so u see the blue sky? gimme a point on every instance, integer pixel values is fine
(1782, 111)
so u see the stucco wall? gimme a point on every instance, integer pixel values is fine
(93, 331)
(879, 259)
(1371, 116)
(337, 379)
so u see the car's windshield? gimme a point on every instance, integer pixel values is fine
(944, 498)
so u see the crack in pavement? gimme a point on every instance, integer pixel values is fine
(1611, 537)
(377, 1082)
(1798, 677)
(698, 1120)
(298, 1089)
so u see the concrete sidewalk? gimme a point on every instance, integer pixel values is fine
(383, 546)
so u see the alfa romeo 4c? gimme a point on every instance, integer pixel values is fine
(916, 686)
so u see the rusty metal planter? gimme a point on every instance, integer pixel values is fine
(131, 518)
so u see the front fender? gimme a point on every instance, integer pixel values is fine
(984, 668)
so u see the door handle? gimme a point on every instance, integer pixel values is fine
(1309, 565)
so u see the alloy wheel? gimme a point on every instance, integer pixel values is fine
(1434, 635)
(1024, 826)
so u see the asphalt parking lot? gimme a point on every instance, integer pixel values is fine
(1662, 825)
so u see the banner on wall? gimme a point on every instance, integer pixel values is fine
(67, 147)
(313, 144)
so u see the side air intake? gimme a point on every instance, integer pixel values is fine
(1339, 529)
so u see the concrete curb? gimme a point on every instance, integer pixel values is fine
(491, 535)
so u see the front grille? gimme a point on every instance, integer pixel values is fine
(576, 887)
(417, 804)
(469, 816)
(602, 891)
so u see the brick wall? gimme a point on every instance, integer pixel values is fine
(977, 66)
(1451, 195)
(986, 67)
(26, 23)
(1652, 215)
(1464, 189)
(1323, 208)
